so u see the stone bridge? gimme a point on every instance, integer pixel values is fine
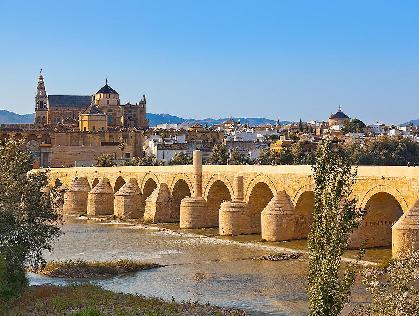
(274, 201)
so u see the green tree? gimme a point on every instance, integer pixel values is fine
(265, 156)
(354, 126)
(300, 155)
(145, 160)
(389, 151)
(29, 217)
(219, 155)
(334, 218)
(181, 158)
(300, 126)
(237, 157)
(105, 160)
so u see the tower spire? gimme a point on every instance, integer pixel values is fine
(41, 98)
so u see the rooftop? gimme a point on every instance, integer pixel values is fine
(79, 101)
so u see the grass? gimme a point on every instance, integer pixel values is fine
(80, 269)
(90, 300)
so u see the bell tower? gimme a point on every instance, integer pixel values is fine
(41, 98)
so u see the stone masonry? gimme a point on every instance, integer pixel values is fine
(274, 201)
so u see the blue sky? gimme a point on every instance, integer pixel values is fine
(277, 59)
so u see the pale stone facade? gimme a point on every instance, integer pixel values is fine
(68, 110)
(274, 201)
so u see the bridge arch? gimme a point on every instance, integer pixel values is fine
(257, 199)
(218, 177)
(386, 189)
(183, 177)
(149, 184)
(382, 211)
(217, 192)
(119, 182)
(180, 190)
(300, 191)
(260, 178)
(304, 206)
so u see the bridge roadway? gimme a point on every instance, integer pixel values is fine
(274, 201)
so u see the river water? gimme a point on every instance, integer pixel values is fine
(196, 267)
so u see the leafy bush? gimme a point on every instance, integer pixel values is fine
(105, 160)
(181, 158)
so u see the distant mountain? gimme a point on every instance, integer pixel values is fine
(414, 122)
(156, 119)
(7, 117)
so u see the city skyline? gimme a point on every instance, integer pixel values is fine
(282, 60)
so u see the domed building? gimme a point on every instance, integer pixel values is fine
(52, 110)
(338, 119)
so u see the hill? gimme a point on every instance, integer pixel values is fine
(156, 119)
(414, 122)
(7, 117)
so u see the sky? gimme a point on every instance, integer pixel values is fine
(280, 59)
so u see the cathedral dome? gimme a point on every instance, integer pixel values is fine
(107, 89)
(339, 115)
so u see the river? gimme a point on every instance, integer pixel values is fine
(196, 267)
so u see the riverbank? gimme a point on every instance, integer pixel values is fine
(90, 300)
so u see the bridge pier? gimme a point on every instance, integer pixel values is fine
(158, 206)
(75, 198)
(405, 233)
(100, 199)
(232, 214)
(279, 221)
(193, 209)
(128, 201)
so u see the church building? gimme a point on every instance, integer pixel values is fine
(101, 111)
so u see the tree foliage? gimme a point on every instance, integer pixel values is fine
(297, 154)
(219, 155)
(334, 218)
(145, 160)
(236, 157)
(385, 151)
(105, 160)
(181, 158)
(394, 289)
(29, 217)
(354, 126)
